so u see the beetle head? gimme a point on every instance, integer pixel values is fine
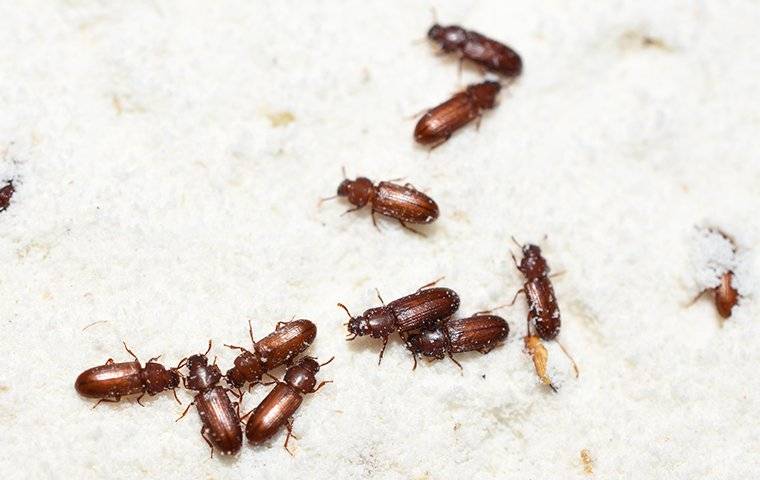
(357, 191)
(533, 264)
(449, 38)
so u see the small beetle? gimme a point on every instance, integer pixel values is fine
(111, 381)
(543, 311)
(490, 54)
(439, 123)
(281, 403)
(726, 296)
(540, 356)
(287, 341)
(220, 417)
(402, 202)
(412, 312)
(480, 332)
(5, 195)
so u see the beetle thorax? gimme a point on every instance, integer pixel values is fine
(533, 263)
(156, 378)
(202, 375)
(301, 378)
(247, 368)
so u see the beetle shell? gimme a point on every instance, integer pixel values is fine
(439, 123)
(221, 423)
(404, 203)
(273, 412)
(5, 195)
(286, 342)
(543, 308)
(110, 380)
(492, 55)
(424, 308)
(726, 295)
(479, 332)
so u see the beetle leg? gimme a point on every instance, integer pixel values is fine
(411, 229)
(138, 400)
(277, 327)
(250, 333)
(185, 412)
(289, 425)
(235, 347)
(322, 384)
(374, 220)
(440, 143)
(477, 122)
(154, 358)
(430, 284)
(385, 343)
(211, 445)
(454, 360)
(109, 361)
(379, 297)
(350, 210)
(699, 295)
(107, 400)
(564, 350)
(514, 299)
(174, 391)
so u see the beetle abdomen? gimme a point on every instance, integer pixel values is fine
(441, 121)
(479, 332)
(220, 420)
(110, 380)
(272, 413)
(424, 307)
(404, 203)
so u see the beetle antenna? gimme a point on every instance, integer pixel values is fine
(343, 171)
(181, 363)
(130, 351)
(325, 199)
(434, 13)
(519, 245)
(352, 338)
(575, 365)
(208, 349)
(323, 364)
(250, 333)
(346, 310)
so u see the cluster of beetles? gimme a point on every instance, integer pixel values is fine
(423, 319)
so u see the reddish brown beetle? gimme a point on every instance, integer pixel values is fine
(402, 202)
(726, 296)
(5, 195)
(412, 312)
(111, 381)
(489, 54)
(543, 310)
(480, 332)
(220, 416)
(278, 407)
(438, 124)
(281, 346)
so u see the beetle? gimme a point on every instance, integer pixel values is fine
(481, 332)
(287, 341)
(489, 54)
(220, 416)
(412, 312)
(111, 381)
(439, 123)
(538, 353)
(5, 195)
(283, 400)
(543, 309)
(726, 296)
(402, 202)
